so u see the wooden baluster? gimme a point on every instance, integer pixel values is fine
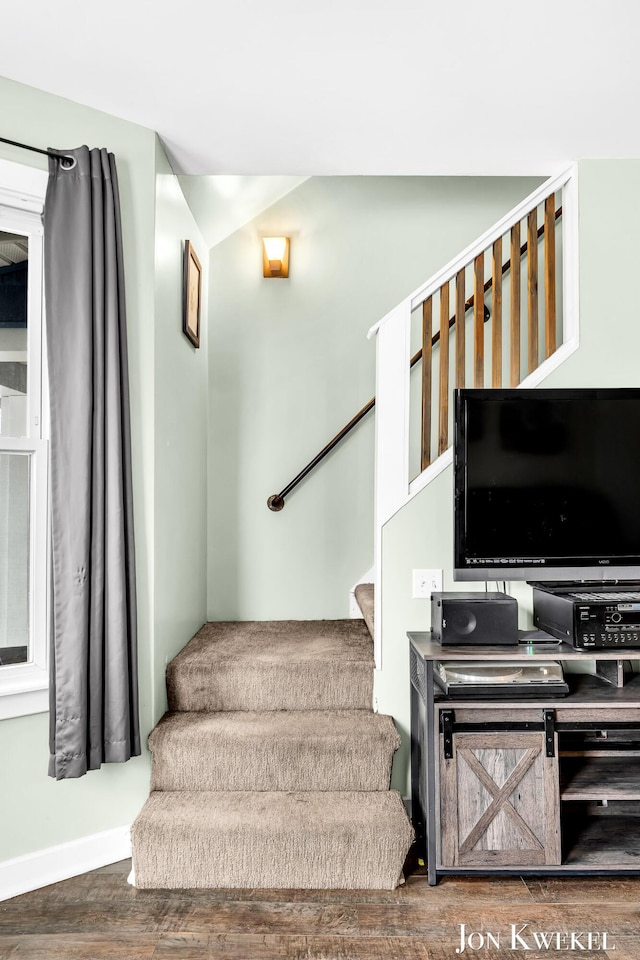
(427, 334)
(515, 304)
(550, 275)
(532, 255)
(496, 315)
(443, 431)
(460, 329)
(478, 321)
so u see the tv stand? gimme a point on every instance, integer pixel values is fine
(545, 786)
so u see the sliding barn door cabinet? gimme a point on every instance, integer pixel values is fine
(526, 786)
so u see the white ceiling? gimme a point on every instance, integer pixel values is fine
(346, 86)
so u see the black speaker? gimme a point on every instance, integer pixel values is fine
(471, 619)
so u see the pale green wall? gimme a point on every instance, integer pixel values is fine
(181, 436)
(290, 365)
(168, 415)
(421, 535)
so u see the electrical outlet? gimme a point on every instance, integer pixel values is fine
(426, 582)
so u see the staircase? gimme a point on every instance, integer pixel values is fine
(270, 768)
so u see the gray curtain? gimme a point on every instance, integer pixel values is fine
(94, 698)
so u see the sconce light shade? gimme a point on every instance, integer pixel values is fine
(275, 260)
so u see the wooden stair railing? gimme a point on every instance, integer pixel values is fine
(482, 315)
(494, 283)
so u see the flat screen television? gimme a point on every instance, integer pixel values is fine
(547, 484)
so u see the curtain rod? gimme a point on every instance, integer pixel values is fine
(47, 153)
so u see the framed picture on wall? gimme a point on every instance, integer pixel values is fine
(192, 295)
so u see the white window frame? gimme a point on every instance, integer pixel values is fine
(24, 688)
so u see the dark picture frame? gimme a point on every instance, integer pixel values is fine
(192, 295)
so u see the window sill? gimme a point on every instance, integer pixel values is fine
(24, 689)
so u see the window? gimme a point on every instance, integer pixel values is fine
(23, 446)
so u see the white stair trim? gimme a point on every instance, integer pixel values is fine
(65, 860)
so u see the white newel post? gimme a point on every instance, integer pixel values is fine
(392, 437)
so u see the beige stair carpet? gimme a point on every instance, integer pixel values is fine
(304, 840)
(281, 665)
(364, 594)
(271, 770)
(274, 750)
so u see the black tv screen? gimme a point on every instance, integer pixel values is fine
(547, 484)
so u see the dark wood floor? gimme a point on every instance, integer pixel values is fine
(99, 917)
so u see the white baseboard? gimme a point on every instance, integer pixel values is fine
(65, 860)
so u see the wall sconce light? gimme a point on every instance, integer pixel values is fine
(275, 259)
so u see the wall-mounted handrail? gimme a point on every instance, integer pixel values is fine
(277, 500)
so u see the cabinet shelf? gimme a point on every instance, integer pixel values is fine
(600, 778)
(611, 842)
(584, 690)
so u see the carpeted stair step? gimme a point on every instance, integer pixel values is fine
(273, 750)
(297, 840)
(364, 594)
(274, 665)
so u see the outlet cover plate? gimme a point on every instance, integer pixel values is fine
(426, 582)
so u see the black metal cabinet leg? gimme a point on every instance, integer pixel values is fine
(417, 771)
(430, 744)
